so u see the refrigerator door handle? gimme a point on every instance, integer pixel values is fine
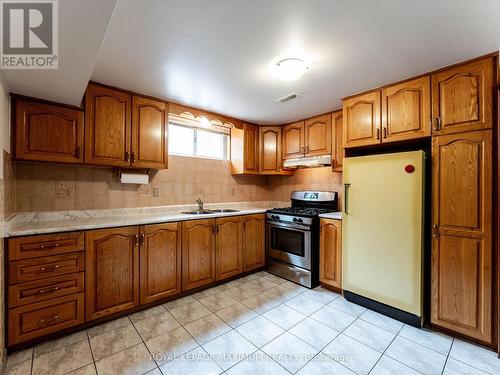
(346, 197)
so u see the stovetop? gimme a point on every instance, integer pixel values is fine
(300, 211)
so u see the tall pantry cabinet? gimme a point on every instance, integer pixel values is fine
(462, 196)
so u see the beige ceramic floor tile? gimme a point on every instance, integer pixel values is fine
(179, 302)
(190, 312)
(216, 302)
(229, 349)
(52, 345)
(156, 325)
(237, 314)
(114, 341)
(63, 360)
(195, 362)
(132, 361)
(170, 345)
(207, 328)
(146, 313)
(18, 357)
(23, 368)
(109, 326)
(260, 331)
(86, 370)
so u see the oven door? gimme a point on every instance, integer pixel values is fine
(290, 245)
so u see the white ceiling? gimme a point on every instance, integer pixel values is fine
(82, 25)
(216, 54)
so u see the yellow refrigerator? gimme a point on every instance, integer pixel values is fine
(382, 233)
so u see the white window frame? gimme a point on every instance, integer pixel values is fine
(225, 143)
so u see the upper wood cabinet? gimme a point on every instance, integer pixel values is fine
(47, 132)
(362, 120)
(198, 253)
(245, 149)
(318, 135)
(160, 261)
(293, 140)
(462, 98)
(229, 244)
(338, 141)
(149, 133)
(462, 264)
(406, 110)
(108, 126)
(330, 253)
(254, 253)
(270, 149)
(112, 271)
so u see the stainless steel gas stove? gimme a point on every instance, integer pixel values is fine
(293, 236)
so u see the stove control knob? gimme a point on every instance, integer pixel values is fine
(295, 219)
(299, 220)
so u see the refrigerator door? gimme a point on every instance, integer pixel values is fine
(382, 228)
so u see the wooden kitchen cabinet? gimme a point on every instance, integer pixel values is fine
(270, 151)
(330, 253)
(160, 261)
(112, 271)
(293, 140)
(108, 127)
(48, 133)
(462, 98)
(149, 133)
(362, 120)
(338, 141)
(318, 135)
(245, 149)
(198, 253)
(462, 277)
(229, 247)
(406, 110)
(254, 253)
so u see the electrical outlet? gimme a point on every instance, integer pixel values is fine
(156, 192)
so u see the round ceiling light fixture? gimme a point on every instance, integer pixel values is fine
(291, 68)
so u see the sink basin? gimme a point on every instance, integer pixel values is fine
(204, 212)
(222, 210)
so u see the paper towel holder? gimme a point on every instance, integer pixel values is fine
(119, 172)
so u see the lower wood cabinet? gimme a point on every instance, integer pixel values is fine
(229, 245)
(330, 253)
(198, 253)
(112, 271)
(254, 253)
(462, 249)
(160, 261)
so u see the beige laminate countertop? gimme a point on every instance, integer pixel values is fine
(24, 224)
(332, 215)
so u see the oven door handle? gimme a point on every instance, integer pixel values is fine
(286, 226)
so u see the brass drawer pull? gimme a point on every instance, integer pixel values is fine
(49, 268)
(48, 320)
(50, 290)
(49, 246)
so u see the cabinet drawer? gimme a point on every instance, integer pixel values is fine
(50, 244)
(41, 290)
(39, 319)
(42, 268)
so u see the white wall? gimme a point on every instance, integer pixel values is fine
(4, 122)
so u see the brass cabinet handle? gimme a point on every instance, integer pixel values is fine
(143, 239)
(132, 157)
(49, 268)
(435, 231)
(127, 156)
(78, 152)
(378, 133)
(49, 246)
(436, 123)
(48, 320)
(136, 237)
(385, 132)
(49, 290)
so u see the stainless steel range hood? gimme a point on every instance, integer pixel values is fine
(308, 162)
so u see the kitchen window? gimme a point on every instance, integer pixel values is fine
(197, 142)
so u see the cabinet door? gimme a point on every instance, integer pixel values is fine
(149, 133)
(318, 135)
(362, 120)
(48, 133)
(229, 247)
(338, 141)
(251, 152)
(406, 110)
(254, 253)
(198, 253)
(330, 253)
(293, 140)
(160, 261)
(462, 241)
(107, 126)
(111, 271)
(270, 149)
(462, 98)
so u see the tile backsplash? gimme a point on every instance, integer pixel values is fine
(44, 187)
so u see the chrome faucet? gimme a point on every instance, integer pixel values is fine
(200, 204)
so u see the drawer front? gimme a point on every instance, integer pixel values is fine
(41, 290)
(50, 244)
(39, 319)
(42, 268)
